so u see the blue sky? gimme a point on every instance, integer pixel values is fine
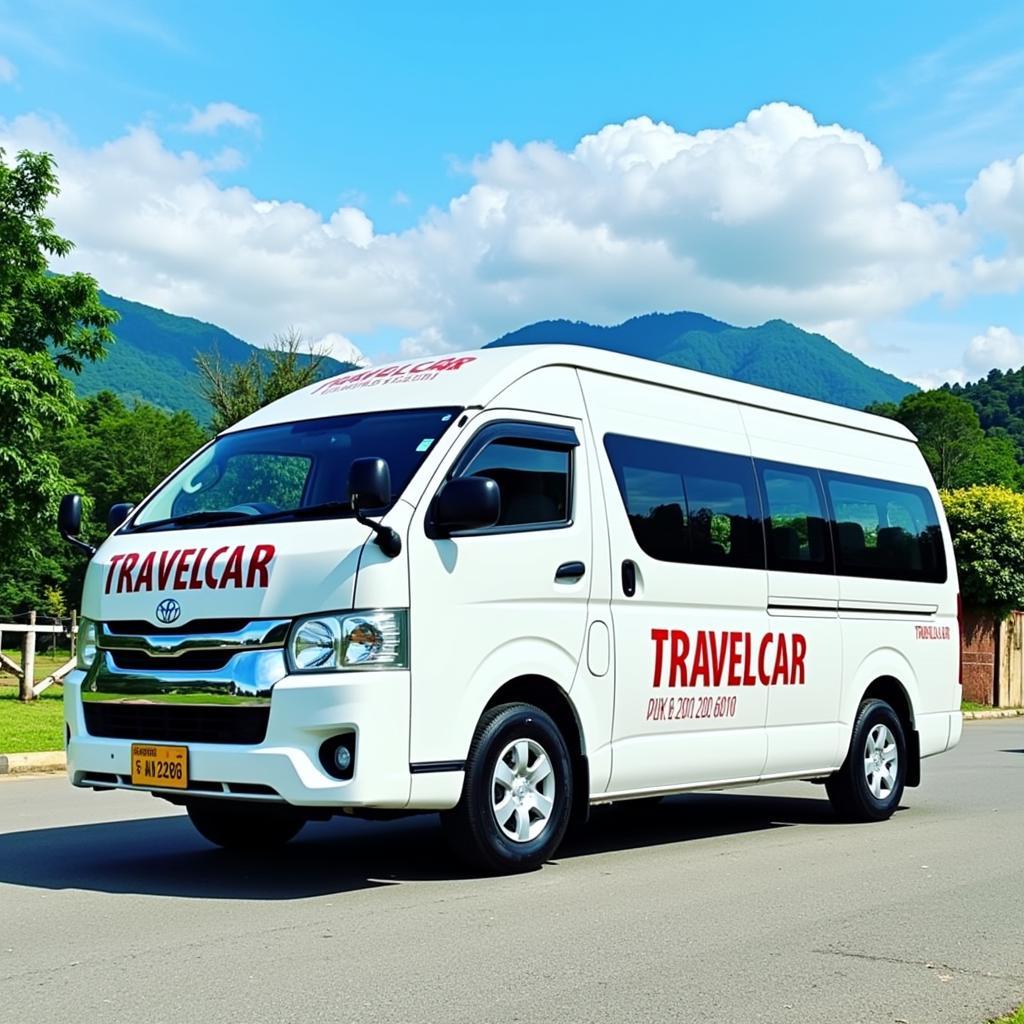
(390, 112)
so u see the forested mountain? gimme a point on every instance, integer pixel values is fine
(154, 357)
(775, 355)
(998, 400)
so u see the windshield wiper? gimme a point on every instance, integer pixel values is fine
(205, 516)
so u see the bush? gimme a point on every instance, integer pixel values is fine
(987, 524)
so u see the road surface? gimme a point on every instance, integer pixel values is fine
(751, 905)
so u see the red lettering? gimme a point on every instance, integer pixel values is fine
(762, 653)
(781, 671)
(718, 644)
(748, 675)
(167, 560)
(110, 572)
(659, 636)
(194, 581)
(184, 564)
(233, 569)
(124, 577)
(700, 660)
(735, 639)
(261, 558)
(796, 666)
(144, 580)
(677, 665)
(211, 580)
(461, 361)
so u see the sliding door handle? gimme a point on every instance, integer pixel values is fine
(629, 577)
(570, 571)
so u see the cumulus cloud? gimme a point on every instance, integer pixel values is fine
(775, 216)
(995, 206)
(997, 347)
(8, 72)
(215, 116)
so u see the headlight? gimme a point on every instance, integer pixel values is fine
(85, 646)
(340, 641)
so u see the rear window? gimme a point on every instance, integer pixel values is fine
(885, 530)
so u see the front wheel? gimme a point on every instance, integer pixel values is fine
(249, 827)
(870, 783)
(517, 794)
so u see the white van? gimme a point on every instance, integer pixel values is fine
(509, 584)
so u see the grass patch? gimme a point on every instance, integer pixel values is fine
(1017, 1017)
(36, 725)
(971, 705)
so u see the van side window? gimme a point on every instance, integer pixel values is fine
(887, 530)
(534, 480)
(796, 526)
(687, 504)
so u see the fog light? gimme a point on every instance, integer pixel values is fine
(338, 755)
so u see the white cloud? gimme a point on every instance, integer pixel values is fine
(215, 116)
(337, 346)
(776, 216)
(8, 72)
(998, 347)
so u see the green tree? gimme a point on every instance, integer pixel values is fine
(48, 322)
(951, 438)
(987, 524)
(239, 389)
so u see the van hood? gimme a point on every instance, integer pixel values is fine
(170, 578)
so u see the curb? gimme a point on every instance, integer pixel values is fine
(994, 713)
(46, 761)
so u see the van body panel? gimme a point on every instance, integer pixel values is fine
(687, 665)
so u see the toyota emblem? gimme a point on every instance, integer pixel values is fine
(168, 611)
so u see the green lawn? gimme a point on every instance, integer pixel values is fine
(1017, 1017)
(38, 725)
(970, 705)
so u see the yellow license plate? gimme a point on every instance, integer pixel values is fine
(159, 766)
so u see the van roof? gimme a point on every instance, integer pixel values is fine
(477, 377)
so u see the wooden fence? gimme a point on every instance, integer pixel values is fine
(28, 688)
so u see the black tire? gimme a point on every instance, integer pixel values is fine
(244, 827)
(849, 789)
(472, 827)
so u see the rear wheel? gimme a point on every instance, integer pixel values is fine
(517, 794)
(250, 827)
(870, 783)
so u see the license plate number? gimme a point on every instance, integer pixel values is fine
(159, 766)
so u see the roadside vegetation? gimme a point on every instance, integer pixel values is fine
(29, 727)
(1017, 1017)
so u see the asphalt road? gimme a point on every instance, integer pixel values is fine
(752, 905)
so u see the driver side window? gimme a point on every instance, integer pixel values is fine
(535, 479)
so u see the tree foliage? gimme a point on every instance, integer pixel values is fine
(987, 524)
(998, 399)
(109, 453)
(47, 323)
(238, 390)
(952, 441)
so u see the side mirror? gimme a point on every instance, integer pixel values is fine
(369, 483)
(467, 503)
(118, 514)
(69, 522)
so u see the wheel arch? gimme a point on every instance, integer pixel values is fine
(889, 689)
(551, 698)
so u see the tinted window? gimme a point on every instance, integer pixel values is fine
(689, 505)
(796, 526)
(885, 529)
(534, 480)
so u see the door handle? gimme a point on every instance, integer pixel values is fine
(570, 571)
(629, 577)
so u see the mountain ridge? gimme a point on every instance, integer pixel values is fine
(775, 354)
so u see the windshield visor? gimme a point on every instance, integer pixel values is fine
(290, 470)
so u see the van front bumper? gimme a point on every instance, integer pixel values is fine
(305, 710)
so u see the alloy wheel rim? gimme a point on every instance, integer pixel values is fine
(523, 788)
(881, 761)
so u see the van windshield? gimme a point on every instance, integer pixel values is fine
(290, 470)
